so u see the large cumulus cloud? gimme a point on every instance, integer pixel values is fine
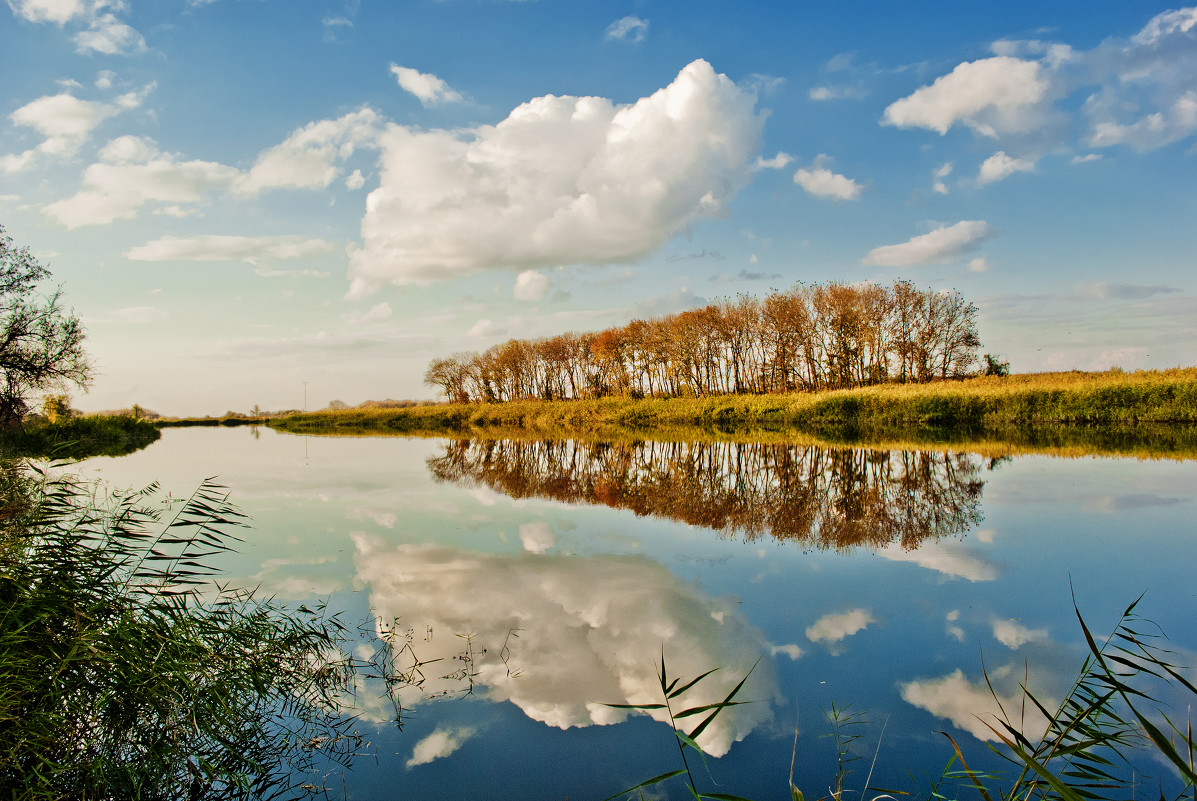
(561, 180)
(579, 633)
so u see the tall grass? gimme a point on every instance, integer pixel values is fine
(1168, 396)
(126, 672)
(1145, 414)
(80, 437)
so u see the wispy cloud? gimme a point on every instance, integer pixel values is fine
(254, 250)
(627, 29)
(944, 243)
(428, 89)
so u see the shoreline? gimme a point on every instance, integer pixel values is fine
(1149, 414)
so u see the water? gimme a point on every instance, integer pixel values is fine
(536, 582)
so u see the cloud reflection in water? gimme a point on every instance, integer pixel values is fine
(581, 632)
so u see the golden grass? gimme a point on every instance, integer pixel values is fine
(1148, 414)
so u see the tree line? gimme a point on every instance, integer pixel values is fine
(810, 337)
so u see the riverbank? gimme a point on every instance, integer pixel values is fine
(1111, 406)
(79, 437)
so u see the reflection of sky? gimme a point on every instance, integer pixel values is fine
(581, 632)
(598, 592)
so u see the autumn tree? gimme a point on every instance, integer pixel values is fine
(809, 337)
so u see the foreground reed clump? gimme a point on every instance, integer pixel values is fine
(126, 672)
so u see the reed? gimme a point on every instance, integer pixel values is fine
(1109, 716)
(127, 672)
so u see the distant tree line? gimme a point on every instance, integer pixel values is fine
(811, 337)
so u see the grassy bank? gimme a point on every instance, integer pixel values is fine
(1147, 413)
(188, 422)
(80, 437)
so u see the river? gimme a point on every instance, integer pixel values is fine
(533, 584)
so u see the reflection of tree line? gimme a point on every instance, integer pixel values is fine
(821, 497)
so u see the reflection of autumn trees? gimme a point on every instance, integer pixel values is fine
(821, 497)
(807, 338)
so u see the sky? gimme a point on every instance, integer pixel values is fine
(281, 203)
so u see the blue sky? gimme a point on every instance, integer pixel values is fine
(243, 195)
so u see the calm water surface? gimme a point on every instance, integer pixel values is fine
(547, 579)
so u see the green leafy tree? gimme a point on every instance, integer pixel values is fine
(41, 342)
(995, 365)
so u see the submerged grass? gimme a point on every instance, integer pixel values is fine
(1146, 413)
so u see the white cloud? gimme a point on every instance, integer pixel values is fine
(428, 89)
(530, 285)
(942, 244)
(109, 36)
(334, 24)
(307, 159)
(833, 628)
(104, 79)
(1052, 54)
(971, 707)
(56, 11)
(941, 172)
(104, 33)
(954, 631)
(1104, 290)
(1014, 635)
(778, 162)
(1085, 159)
(950, 559)
(438, 745)
(1148, 93)
(254, 250)
(978, 265)
(822, 182)
(1000, 165)
(63, 115)
(140, 315)
(1152, 130)
(628, 29)
(378, 516)
(537, 537)
(604, 616)
(991, 96)
(1165, 25)
(486, 328)
(376, 313)
(791, 650)
(131, 173)
(763, 84)
(355, 180)
(562, 180)
(64, 120)
(823, 93)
